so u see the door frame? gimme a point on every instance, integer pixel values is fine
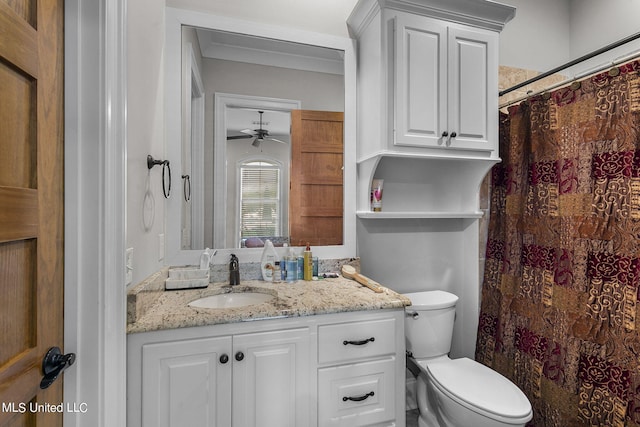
(95, 210)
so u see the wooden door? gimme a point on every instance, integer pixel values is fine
(31, 206)
(317, 169)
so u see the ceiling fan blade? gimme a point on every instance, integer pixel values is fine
(249, 131)
(275, 140)
(229, 137)
(256, 142)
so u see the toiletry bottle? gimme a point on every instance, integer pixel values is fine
(376, 195)
(300, 259)
(277, 275)
(292, 266)
(234, 271)
(269, 257)
(308, 263)
(205, 259)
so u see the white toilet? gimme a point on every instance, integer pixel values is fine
(455, 392)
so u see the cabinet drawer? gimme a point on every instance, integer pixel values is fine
(356, 395)
(356, 340)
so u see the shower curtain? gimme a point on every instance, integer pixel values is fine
(559, 312)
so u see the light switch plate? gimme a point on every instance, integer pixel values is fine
(160, 247)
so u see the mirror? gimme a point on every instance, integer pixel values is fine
(294, 70)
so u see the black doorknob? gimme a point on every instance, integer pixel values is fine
(53, 364)
(224, 359)
(239, 356)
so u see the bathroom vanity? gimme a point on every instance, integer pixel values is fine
(316, 353)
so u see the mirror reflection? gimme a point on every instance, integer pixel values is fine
(239, 92)
(257, 166)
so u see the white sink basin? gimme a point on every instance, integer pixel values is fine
(231, 300)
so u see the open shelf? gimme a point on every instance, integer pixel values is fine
(417, 215)
(422, 186)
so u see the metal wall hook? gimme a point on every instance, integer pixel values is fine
(151, 162)
(186, 187)
(166, 187)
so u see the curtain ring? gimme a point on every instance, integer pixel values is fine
(186, 187)
(166, 191)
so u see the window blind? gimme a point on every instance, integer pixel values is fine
(259, 199)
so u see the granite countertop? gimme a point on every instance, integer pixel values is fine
(157, 309)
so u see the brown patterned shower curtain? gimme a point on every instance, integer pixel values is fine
(560, 300)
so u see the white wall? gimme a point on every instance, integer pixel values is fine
(597, 23)
(145, 129)
(548, 33)
(538, 37)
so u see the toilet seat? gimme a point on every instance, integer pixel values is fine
(480, 389)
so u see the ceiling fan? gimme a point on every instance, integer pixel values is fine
(258, 135)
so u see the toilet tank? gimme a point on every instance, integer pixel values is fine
(429, 323)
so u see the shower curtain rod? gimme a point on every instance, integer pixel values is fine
(572, 63)
(591, 71)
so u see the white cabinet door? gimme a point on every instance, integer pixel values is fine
(445, 85)
(473, 89)
(187, 383)
(271, 379)
(420, 85)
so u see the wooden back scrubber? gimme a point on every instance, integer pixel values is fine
(350, 273)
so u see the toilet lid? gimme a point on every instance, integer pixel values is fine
(432, 300)
(480, 388)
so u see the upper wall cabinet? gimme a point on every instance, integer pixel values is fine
(443, 76)
(428, 76)
(428, 89)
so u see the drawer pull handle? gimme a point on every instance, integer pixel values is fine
(358, 398)
(363, 342)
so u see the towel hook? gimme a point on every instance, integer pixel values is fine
(166, 188)
(186, 187)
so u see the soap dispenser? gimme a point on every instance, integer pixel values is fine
(234, 271)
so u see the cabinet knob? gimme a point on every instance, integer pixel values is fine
(239, 356)
(224, 359)
(453, 134)
(445, 134)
